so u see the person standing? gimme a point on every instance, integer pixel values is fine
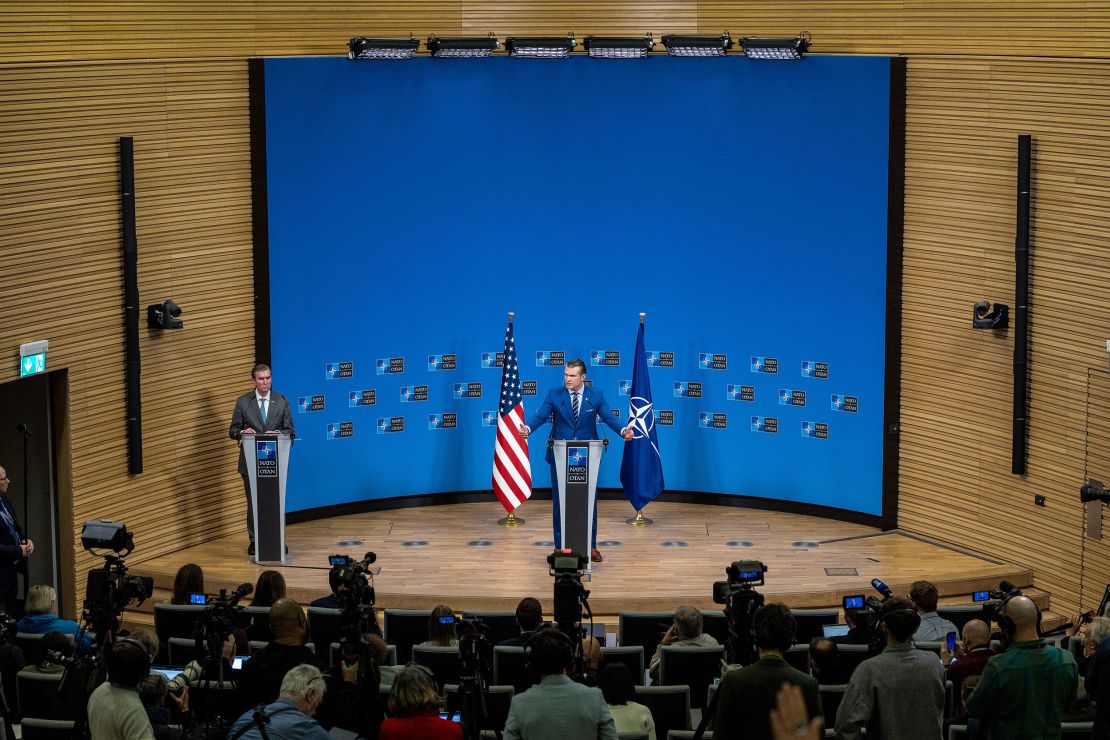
(14, 547)
(257, 412)
(576, 408)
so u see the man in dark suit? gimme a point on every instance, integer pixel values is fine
(258, 412)
(14, 547)
(576, 408)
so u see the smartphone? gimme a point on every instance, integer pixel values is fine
(238, 661)
(455, 717)
(950, 641)
(200, 599)
(981, 596)
(853, 602)
(1087, 616)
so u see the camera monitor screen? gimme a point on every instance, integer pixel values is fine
(853, 602)
(981, 596)
(200, 599)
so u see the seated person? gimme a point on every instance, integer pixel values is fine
(685, 632)
(290, 715)
(189, 580)
(529, 616)
(441, 628)
(41, 616)
(115, 710)
(168, 722)
(414, 709)
(824, 662)
(616, 684)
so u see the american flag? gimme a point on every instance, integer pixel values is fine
(512, 473)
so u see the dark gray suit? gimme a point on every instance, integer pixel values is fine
(248, 415)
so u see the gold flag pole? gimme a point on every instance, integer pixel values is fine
(511, 520)
(639, 520)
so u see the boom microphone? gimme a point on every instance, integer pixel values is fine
(882, 588)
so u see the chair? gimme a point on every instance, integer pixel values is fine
(1077, 729)
(695, 667)
(174, 620)
(182, 650)
(831, 696)
(716, 624)
(808, 622)
(444, 663)
(798, 657)
(961, 614)
(502, 624)
(215, 699)
(498, 699)
(642, 735)
(259, 627)
(508, 668)
(933, 646)
(47, 729)
(957, 732)
(686, 735)
(36, 692)
(323, 625)
(631, 655)
(405, 628)
(30, 644)
(643, 628)
(256, 647)
(669, 707)
(850, 656)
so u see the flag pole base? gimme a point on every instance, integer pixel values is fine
(511, 520)
(639, 520)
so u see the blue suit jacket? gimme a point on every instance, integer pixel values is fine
(592, 407)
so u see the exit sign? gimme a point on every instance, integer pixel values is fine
(32, 358)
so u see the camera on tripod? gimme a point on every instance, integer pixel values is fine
(351, 580)
(110, 589)
(568, 567)
(741, 602)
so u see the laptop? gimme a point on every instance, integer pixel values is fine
(835, 630)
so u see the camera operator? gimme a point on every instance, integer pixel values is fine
(859, 627)
(115, 710)
(529, 616)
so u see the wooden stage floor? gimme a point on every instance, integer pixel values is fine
(674, 561)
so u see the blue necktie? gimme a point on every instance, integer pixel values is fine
(574, 404)
(263, 411)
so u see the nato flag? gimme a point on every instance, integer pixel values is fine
(641, 467)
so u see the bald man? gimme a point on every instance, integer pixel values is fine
(971, 656)
(260, 680)
(1025, 690)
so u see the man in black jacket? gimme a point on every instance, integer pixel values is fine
(14, 547)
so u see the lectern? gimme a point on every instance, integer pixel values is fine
(267, 464)
(577, 462)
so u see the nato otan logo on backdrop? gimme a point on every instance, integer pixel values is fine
(445, 420)
(765, 424)
(664, 418)
(528, 388)
(769, 365)
(576, 464)
(392, 425)
(711, 420)
(267, 458)
(550, 358)
(489, 418)
(467, 390)
(342, 430)
(493, 359)
(656, 358)
(413, 393)
(712, 361)
(687, 389)
(441, 362)
(815, 430)
(844, 403)
(740, 392)
(368, 397)
(623, 387)
(306, 404)
(336, 370)
(813, 369)
(390, 365)
(790, 397)
(604, 358)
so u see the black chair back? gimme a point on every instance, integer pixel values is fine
(174, 620)
(798, 657)
(695, 667)
(258, 627)
(47, 729)
(36, 692)
(182, 651)
(669, 707)
(405, 628)
(498, 699)
(444, 663)
(716, 624)
(850, 656)
(323, 626)
(508, 668)
(961, 614)
(645, 629)
(632, 656)
(808, 623)
(501, 624)
(831, 696)
(209, 698)
(687, 735)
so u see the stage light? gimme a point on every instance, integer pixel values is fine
(540, 47)
(362, 47)
(619, 47)
(164, 315)
(756, 47)
(462, 46)
(697, 46)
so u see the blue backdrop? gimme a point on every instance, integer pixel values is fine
(742, 205)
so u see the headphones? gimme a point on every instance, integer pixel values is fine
(131, 641)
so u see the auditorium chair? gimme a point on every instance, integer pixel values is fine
(686, 735)
(212, 698)
(643, 628)
(323, 625)
(632, 656)
(174, 620)
(259, 623)
(831, 696)
(695, 667)
(182, 651)
(501, 625)
(961, 614)
(30, 644)
(443, 662)
(405, 628)
(508, 668)
(808, 622)
(36, 692)
(850, 656)
(715, 623)
(638, 735)
(498, 699)
(47, 729)
(669, 707)
(933, 646)
(1077, 730)
(798, 657)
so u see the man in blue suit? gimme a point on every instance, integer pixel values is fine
(576, 408)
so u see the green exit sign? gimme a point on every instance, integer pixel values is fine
(32, 358)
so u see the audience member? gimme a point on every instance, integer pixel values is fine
(529, 615)
(557, 708)
(686, 631)
(971, 656)
(414, 709)
(269, 588)
(1025, 690)
(167, 723)
(115, 710)
(441, 628)
(261, 678)
(189, 580)
(290, 716)
(41, 616)
(745, 697)
(934, 627)
(51, 642)
(619, 689)
(1096, 646)
(824, 662)
(788, 718)
(899, 693)
(859, 627)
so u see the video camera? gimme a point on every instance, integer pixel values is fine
(109, 590)
(568, 567)
(741, 602)
(1093, 490)
(351, 580)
